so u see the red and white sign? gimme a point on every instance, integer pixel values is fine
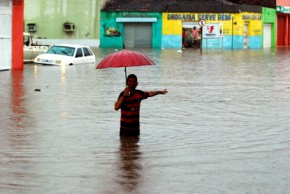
(211, 31)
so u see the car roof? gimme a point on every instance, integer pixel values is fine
(70, 45)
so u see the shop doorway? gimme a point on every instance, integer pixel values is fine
(267, 35)
(138, 35)
(246, 35)
(282, 30)
(191, 35)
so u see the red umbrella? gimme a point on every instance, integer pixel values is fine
(124, 58)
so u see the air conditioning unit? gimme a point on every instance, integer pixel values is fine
(68, 27)
(31, 27)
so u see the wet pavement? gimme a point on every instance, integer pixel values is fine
(222, 128)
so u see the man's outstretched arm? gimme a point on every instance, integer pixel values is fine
(157, 92)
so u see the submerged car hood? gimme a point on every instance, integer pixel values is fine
(49, 56)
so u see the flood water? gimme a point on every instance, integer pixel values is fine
(224, 126)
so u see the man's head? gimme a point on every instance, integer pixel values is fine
(132, 81)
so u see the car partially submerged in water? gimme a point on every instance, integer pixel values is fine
(31, 48)
(66, 54)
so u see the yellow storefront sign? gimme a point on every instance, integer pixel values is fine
(232, 23)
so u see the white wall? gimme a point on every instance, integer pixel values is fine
(5, 34)
(86, 42)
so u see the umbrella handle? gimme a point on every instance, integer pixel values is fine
(125, 75)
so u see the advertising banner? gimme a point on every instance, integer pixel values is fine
(211, 31)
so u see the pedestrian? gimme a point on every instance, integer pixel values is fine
(194, 36)
(183, 37)
(129, 102)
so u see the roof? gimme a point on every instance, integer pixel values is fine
(264, 3)
(71, 45)
(219, 6)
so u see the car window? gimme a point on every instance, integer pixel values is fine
(62, 50)
(91, 51)
(26, 40)
(79, 53)
(86, 52)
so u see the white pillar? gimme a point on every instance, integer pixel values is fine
(5, 34)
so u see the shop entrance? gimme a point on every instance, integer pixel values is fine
(138, 35)
(246, 35)
(191, 35)
(267, 35)
(282, 30)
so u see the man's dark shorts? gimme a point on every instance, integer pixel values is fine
(135, 132)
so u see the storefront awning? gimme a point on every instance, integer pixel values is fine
(136, 19)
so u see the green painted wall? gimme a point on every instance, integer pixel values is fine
(108, 23)
(50, 15)
(269, 17)
(112, 32)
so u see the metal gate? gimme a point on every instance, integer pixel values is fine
(5, 34)
(138, 35)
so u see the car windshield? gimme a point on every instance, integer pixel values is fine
(62, 50)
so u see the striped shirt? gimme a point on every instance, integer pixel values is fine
(130, 111)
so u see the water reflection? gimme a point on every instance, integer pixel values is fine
(17, 137)
(17, 98)
(129, 164)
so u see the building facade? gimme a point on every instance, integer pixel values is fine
(224, 25)
(269, 27)
(5, 34)
(11, 36)
(149, 23)
(283, 23)
(130, 29)
(220, 31)
(70, 21)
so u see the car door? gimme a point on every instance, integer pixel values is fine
(79, 57)
(88, 55)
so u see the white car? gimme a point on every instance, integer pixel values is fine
(66, 54)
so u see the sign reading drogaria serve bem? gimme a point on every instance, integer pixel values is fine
(211, 31)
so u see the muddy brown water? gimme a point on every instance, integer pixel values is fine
(222, 128)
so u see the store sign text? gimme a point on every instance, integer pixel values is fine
(283, 9)
(136, 15)
(252, 17)
(207, 17)
(197, 17)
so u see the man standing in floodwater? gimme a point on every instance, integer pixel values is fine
(129, 101)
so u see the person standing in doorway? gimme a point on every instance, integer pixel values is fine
(194, 36)
(183, 37)
(129, 102)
